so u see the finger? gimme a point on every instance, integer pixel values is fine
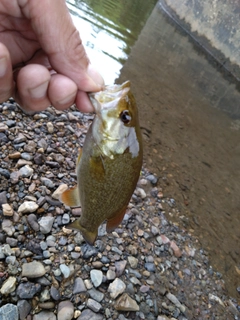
(60, 40)
(32, 93)
(6, 78)
(83, 102)
(62, 91)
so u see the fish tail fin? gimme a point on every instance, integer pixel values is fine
(89, 236)
(71, 197)
(113, 222)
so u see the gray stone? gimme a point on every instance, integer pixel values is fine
(79, 286)
(7, 226)
(48, 182)
(46, 224)
(94, 305)
(3, 197)
(32, 220)
(9, 312)
(33, 269)
(65, 310)
(45, 315)
(26, 171)
(96, 295)
(24, 309)
(90, 315)
(96, 277)
(27, 290)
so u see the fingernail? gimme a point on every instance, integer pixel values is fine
(39, 91)
(3, 66)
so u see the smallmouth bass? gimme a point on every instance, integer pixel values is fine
(109, 164)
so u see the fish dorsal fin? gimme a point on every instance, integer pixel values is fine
(71, 197)
(113, 222)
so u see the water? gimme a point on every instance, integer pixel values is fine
(189, 114)
(109, 29)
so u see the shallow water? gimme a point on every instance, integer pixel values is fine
(190, 118)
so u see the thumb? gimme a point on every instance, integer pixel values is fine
(58, 37)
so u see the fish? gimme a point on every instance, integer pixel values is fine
(109, 163)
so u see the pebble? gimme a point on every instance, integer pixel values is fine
(8, 286)
(126, 303)
(79, 286)
(27, 290)
(32, 220)
(96, 277)
(9, 312)
(44, 315)
(88, 314)
(96, 295)
(24, 308)
(26, 171)
(33, 269)
(46, 224)
(47, 182)
(28, 207)
(7, 226)
(133, 262)
(65, 310)
(94, 305)
(116, 288)
(56, 194)
(65, 270)
(7, 210)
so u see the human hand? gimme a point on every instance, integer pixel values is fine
(42, 59)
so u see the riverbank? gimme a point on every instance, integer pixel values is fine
(149, 268)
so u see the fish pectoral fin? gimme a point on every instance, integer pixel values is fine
(113, 222)
(89, 236)
(71, 197)
(79, 156)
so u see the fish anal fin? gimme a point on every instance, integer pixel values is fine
(89, 236)
(113, 222)
(71, 197)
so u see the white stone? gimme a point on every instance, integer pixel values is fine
(56, 194)
(27, 207)
(8, 286)
(116, 288)
(96, 277)
(7, 210)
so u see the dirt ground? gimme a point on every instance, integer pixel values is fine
(192, 146)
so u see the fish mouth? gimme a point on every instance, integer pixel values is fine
(109, 97)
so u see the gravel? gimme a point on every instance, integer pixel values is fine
(148, 268)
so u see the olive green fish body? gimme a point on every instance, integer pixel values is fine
(110, 162)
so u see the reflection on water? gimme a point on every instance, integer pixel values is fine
(109, 29)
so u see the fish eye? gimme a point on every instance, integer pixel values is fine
(125, 116)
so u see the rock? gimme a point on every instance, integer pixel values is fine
(116, 288)
(65, 310)
(94, 305)
(7, 210)
(33, 269)
(88, 251)
(27, 207)
(111, 275)
(96, 277)
(56, 194)
(48, 182)
(120, 267)
(90, 315)
(27, 290)
(24, 309)
(3, 197)
(14, 177)
(65, 270)
(46, 224)
(133, 262)
(96, 295)
(7, 226)
(79, 286)
(45, 315)
(8, 286)
(26, 171)
(177, 252)
(9, 312)
(126, 303)
(175, 301)
(20, 138)
(32, 220)
(55, 294)
(50, 127)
